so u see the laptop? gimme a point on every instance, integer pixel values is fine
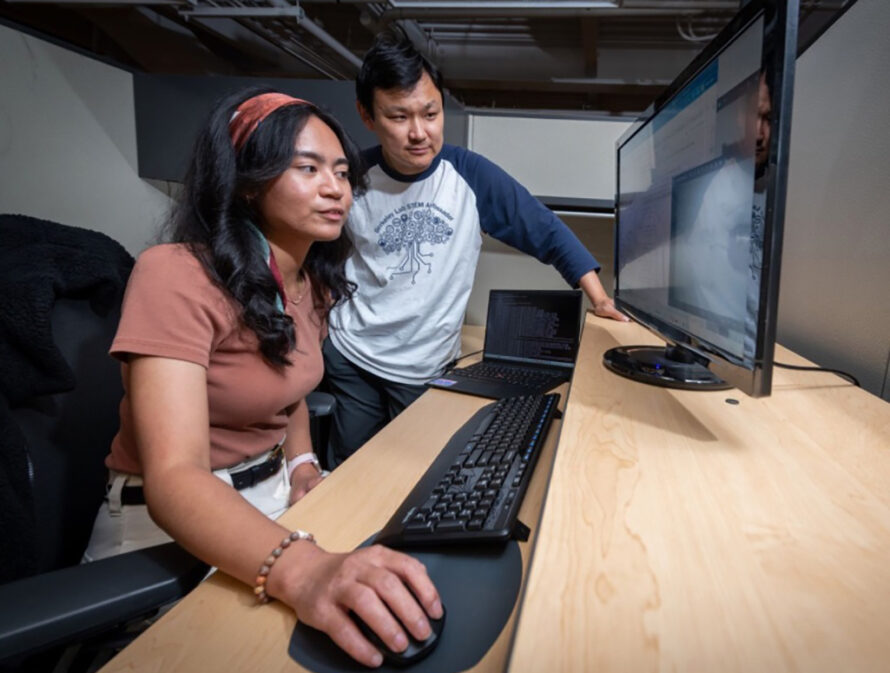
(531, 342)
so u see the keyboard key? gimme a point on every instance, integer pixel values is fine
(450, 526)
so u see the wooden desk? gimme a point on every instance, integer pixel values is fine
(218, 627)
(683, 533)
(679, 532)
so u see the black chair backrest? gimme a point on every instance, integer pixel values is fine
(69, 434)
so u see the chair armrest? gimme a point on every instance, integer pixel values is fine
(73, 603)
(320, 404)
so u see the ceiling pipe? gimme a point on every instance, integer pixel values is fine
(95, 2)
(506, 4)
(370, 19)
(482, 12)
(555, 4)
(728, 5)
(242, 12)
(278, 9)
(422, 42)
(323, 36)
(239, 11)
(402, 9)
(319, 33)
(293, 48)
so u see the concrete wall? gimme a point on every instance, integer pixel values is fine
(834, 305)
(68, 142)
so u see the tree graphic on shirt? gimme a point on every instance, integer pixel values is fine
(407, 232)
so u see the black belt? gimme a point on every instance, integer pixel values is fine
(250, 476)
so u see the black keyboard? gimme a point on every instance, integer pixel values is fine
(523, 376)
(473, 490)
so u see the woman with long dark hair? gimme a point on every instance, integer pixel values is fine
(220, 341)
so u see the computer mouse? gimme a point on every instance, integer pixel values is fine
(416, 650)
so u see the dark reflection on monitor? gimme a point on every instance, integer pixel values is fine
(696, 178)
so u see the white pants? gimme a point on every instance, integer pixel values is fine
(121, 528)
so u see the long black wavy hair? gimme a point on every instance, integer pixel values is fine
(215, 208)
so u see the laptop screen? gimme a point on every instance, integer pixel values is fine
(534, 326)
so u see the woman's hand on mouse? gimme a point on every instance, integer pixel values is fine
(374, 582)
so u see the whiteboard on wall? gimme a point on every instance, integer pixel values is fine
(569, 158)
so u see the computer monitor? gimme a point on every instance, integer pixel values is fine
(699, 210)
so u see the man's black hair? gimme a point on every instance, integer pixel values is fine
(392, 62)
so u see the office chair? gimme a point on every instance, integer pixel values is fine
(68, 436)
(59, 397)
(321, 406)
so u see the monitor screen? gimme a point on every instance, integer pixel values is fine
(701, 180)
(533, 325)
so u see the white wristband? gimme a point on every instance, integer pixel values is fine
(299, 459)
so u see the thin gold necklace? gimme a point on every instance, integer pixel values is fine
(301, 292)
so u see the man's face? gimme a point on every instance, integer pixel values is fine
(408, 123)
(764, 112)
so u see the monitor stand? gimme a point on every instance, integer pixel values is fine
(669, 366)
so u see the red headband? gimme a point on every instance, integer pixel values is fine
(254, 110)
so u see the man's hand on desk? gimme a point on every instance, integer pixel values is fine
(322, 588)
(603, 306)
(606, 309)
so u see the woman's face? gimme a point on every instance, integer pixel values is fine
(311, 199)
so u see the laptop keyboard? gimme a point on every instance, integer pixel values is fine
(522, 376)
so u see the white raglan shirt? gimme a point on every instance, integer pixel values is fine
(417, 241)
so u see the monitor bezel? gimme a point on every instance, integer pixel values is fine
(779, 52)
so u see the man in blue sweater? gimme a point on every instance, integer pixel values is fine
(417, 234)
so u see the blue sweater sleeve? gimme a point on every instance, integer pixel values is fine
(509, 213)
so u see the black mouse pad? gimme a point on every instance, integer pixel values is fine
(478, 588)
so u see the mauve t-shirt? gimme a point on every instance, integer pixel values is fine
(172, 309)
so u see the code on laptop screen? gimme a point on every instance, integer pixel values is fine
(533, 326)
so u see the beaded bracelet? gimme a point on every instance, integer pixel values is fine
(263, 574)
